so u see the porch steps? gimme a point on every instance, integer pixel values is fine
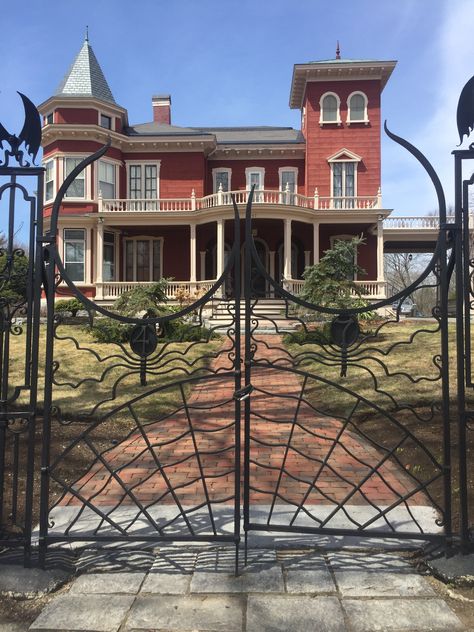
(269, 312)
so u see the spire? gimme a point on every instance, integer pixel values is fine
(338, 51)
(85, 77)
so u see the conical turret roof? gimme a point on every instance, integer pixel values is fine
(85, 77)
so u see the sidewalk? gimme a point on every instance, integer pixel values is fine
(180, 589)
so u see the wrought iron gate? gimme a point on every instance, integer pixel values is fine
(142, 440)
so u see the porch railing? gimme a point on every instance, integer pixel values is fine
(223, 198)
(369, 289)
(110, 290)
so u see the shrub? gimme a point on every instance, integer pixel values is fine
(13, 289)
(147, 299)
(72, 305)
(110, 330)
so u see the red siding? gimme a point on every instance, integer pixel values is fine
(271, 180)
(323, 142)
(81, 116)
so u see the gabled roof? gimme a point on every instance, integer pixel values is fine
(85, 77)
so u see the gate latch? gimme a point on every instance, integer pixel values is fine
(243, 393)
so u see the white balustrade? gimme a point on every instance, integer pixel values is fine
(224, 198)
(369, 289)
(413, 222)
(114, 289)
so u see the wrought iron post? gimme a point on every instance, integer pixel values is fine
(20, 295)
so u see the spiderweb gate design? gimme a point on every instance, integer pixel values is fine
(189, 431)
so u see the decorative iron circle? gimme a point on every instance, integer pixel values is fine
(345, 330)
(143, 340)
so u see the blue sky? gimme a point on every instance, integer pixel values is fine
(229, 62)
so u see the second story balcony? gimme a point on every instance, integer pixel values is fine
(266, 197)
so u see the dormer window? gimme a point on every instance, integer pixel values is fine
(357, 108)
(330, 109)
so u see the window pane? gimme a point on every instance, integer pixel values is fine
(143, 260)
(150, 182)
(349, 183)
(337, 179)
(129, 261)
(156, 259)
(77, 188)
(255, 179)
(288, 178)
(329, 108)
(135, 181)
(105, 121)
(74, 233)
(108, 270)
(222, 178)
(357, 107)
(74, 253)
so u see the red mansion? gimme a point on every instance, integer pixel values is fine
(158, 204)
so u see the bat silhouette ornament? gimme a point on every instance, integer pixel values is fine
(29, 137)
(465, 113)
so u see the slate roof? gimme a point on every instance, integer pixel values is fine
(85, 78)
(224, 135)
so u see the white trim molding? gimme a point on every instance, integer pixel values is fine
(365, 119)
(338, 120)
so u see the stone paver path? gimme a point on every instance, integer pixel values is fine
(322, 466)
(181, 589)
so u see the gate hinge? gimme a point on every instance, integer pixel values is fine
(243, 393)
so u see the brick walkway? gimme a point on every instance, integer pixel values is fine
(338, 466)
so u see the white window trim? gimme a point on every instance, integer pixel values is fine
(128, 164)
(345, 237)
(87, 252)
(338, 120)
(116, 164)
(280, 176)
(214, 175)
(87, 178)
(54, 179)
(260, 170)
(344, 155)
(365, 120)
(141, 238)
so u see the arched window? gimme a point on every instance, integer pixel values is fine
(357, 108)
(329, 108)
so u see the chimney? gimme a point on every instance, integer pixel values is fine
(161, 109)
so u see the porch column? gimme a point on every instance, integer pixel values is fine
(271, 267)
(202, 257)
(380, 271)
(315, 242)
(220, 247)
(99, 259)
(287, 249)
(192, 256)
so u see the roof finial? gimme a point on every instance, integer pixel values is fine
(338, 51)
(87, 34)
